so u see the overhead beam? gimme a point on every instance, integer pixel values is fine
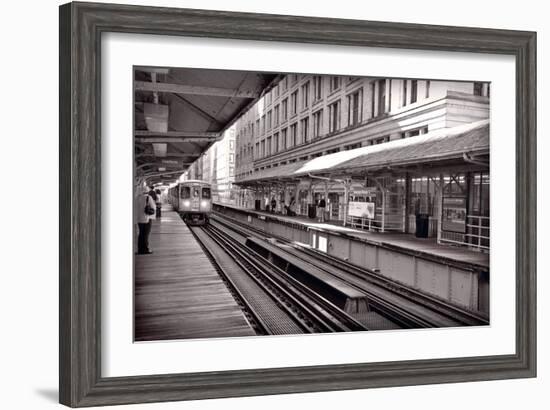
(169, 155)
(168, 140)
(163, 173)
(164, 165)
(175, 136)
(181, 134)
(194, 90)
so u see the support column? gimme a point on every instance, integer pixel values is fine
(347, 185)
(383, 210)
(407, 201)
(439, 200)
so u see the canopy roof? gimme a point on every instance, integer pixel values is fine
(180, 112)
(434, 147)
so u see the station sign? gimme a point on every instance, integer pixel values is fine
(361, 209)
(453, 218)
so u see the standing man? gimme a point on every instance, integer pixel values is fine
(322, 206)
(145, 213)
(158, 203)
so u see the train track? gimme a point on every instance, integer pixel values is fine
(403, 305)
(274, 302)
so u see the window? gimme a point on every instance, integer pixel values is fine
(206, 191)
(380, 140)
(276, 116)
(268, 147)
(285, 109)
(334, 116)
(231, 158)
(276, 91)
(232, 144)
(355, 103)
(231, 172)
(269, 119)
(268, 99)
(428, 89)
(263, 124)
(404, 102)
(257, 150)
(276, 143)
(294, 103)
(263, 149)
(372, 98)
(185, 192)
(352, 146)
(304, 127)
(479, 89)
(414, 91)
(258, 126)
(317, 123)
(284, 83)
(283, 139)
(294, 78)
(293, 134)
(333, 151)
(381, 96)
(305, 95)
(334, 83)
(317, 87)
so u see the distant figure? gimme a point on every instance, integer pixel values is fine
(321, 210)
(289, 208)
(158, 203)
(266, 203)
(273, 204)
(145, 213)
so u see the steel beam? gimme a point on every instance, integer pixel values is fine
(194, 90)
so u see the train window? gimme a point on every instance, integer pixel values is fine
(196, 192)
(206, 193)
(185, 192)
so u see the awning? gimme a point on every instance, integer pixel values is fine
(436, 146)
(180, 112)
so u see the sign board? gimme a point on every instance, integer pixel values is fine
(365, 191)
(453, 218)
(361, 209)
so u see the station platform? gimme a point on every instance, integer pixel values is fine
(408, 243)
(177, 292)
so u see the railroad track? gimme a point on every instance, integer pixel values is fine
(274, 302)
(407, 307)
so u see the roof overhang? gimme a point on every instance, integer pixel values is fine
(446, 148)
(180, 112)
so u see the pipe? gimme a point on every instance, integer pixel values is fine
(472, 160)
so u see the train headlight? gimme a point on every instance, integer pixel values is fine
(186, 203)
(204, 203)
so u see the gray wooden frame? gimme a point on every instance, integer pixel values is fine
(81, 26)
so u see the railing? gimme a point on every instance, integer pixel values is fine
(478, 229)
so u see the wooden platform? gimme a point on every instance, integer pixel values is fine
(178, 294)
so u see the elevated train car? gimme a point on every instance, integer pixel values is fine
(192, 199)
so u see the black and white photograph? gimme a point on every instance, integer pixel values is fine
(271, 204)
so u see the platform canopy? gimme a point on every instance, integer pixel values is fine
(180, 112)
(438, 149)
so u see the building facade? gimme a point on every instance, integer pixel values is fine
(217, 167)
(305, 117)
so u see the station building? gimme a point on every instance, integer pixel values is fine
(384, 154)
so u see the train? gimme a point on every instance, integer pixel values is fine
(192, 199)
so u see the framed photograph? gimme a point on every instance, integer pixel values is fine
(259, 204)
